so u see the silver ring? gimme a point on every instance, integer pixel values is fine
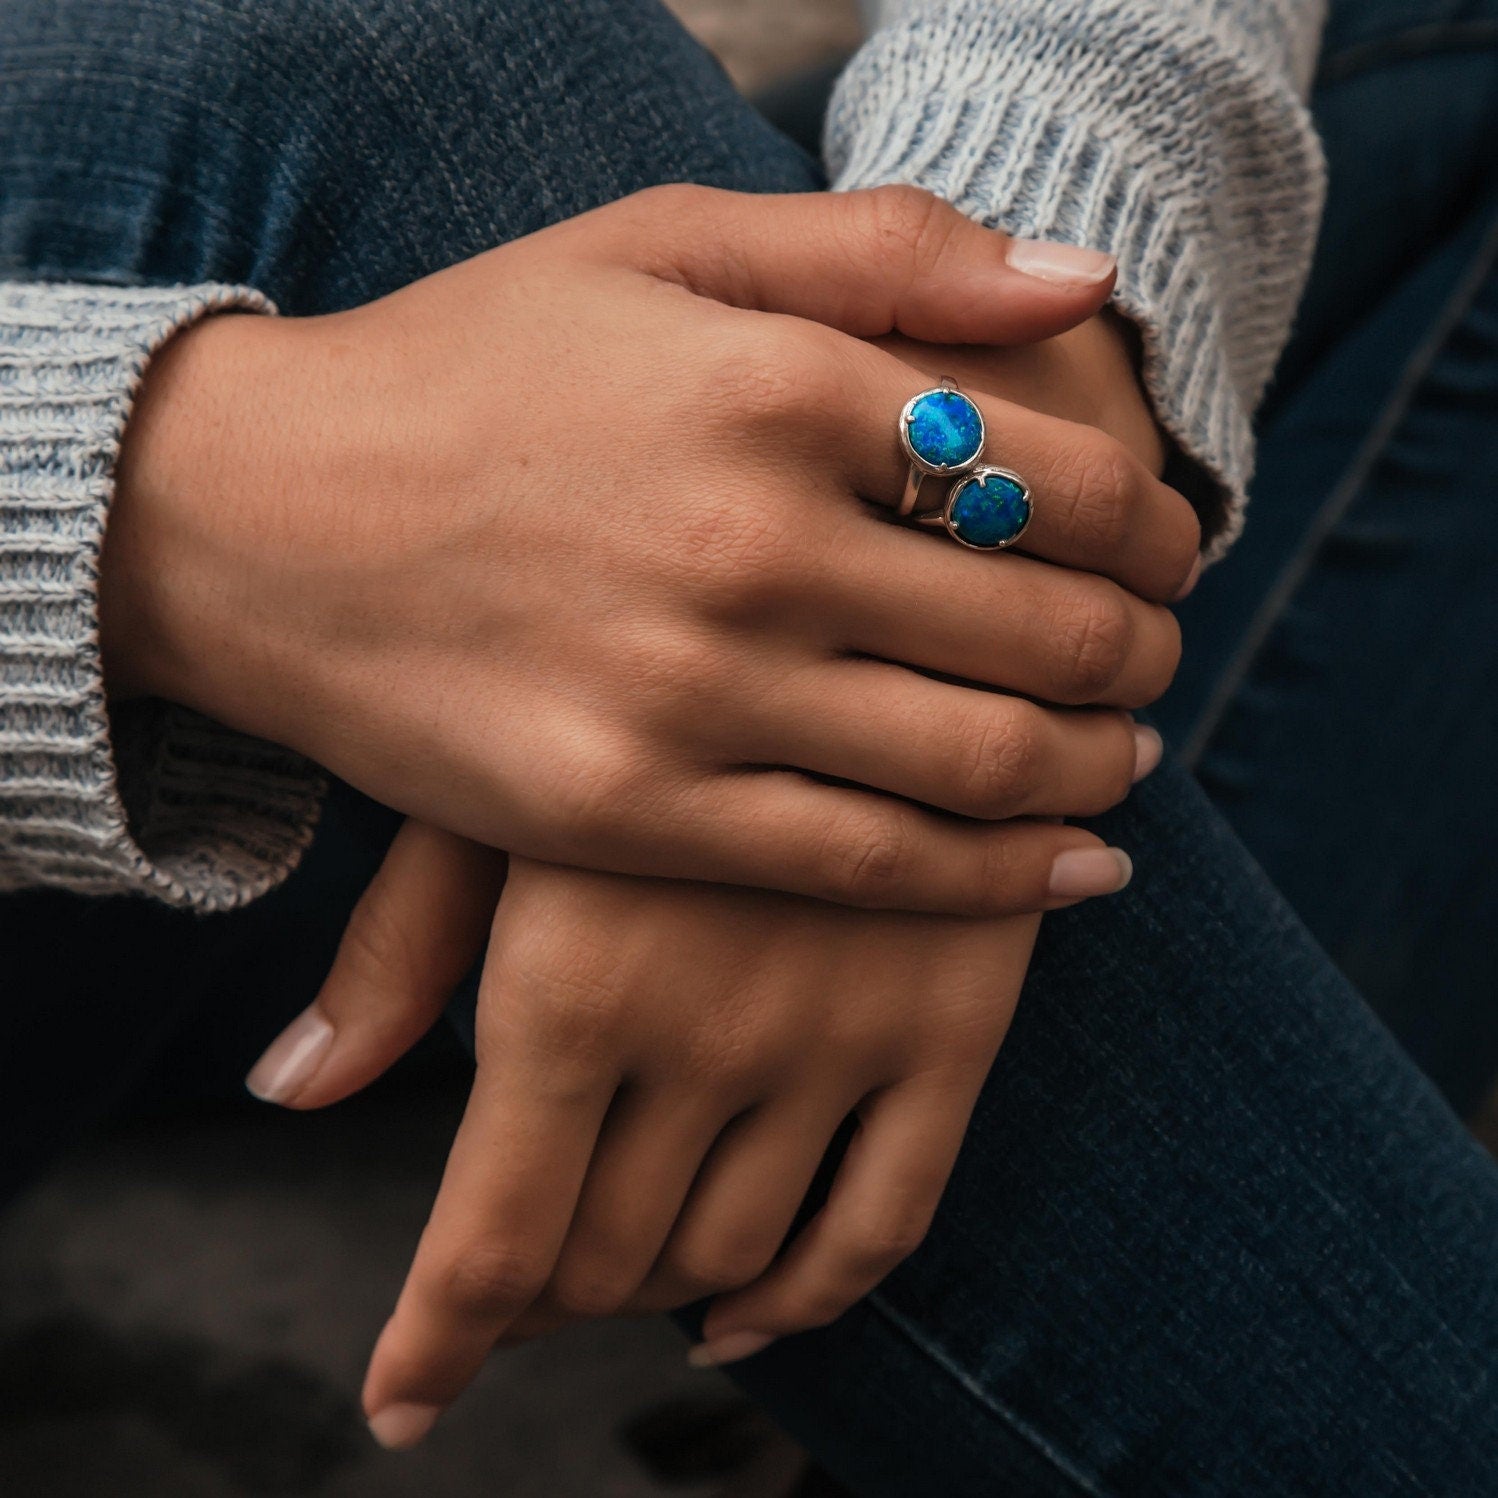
(987, 509)
(942, 433)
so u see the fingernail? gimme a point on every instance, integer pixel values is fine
(728, 1349)
(1191, 580)
(293, 1058)
(399, 1427)
(1060, 264)
(1081, 873)
(1149, 749)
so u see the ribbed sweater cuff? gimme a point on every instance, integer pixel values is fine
(1032, 171)
(1174, 135)
(147, 798)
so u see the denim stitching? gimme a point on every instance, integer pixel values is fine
(1343, 493)
(1405, 46)
(1079, 1480)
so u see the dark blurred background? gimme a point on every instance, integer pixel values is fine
(187, 1304)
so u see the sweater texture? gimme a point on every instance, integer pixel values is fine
(145, 798)
(1172, 133)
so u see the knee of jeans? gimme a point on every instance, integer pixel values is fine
(231, 141)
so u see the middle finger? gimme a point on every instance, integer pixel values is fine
(1096, 506)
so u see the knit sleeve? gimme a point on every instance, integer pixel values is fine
(145, 798)
(1172, 133)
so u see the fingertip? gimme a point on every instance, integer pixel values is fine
(399, 1427)
(1070, 267)
(293, 1059)
(1087, 873)
(1192, 578)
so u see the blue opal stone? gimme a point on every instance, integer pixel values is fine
(944, 429)
(988, 510)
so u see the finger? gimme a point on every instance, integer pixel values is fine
(418, 929)
(500, 1218)
(855, 847)
(1007, 621)
(878, 1211)
(868, 263)
(979, 754)
(640, 1175)
(1094, 504)
(744, 1201)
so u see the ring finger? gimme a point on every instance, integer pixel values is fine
(744, 1201)
(979, 754)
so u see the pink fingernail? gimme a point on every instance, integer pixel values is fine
(728, 1349)
(1059, 264)
(399, 1427)
(1191, 581)
(292, 1059)
(1082, 873)
(1149, 750)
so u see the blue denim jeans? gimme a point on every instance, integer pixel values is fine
(1215, 1229)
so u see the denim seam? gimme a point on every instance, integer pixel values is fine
(1080, 1481)
(221, 117)
(1405, 46)
(1279, 598)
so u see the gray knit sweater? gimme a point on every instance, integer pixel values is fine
(1170, 132)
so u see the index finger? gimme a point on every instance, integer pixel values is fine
(499, 1221)
(1094, 505)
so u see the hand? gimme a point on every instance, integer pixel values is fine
(661, 1068)
(563, 548)
(1088, 374)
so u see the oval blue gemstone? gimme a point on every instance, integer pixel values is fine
(989, 511)
(945, 430)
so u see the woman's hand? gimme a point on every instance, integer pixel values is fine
(566, 549)
(661, 1068)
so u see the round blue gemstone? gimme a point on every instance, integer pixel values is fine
(990, 510)
(944, 429)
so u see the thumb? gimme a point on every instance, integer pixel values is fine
(888, 259)
(420, 926)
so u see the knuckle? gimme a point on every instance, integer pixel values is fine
(1004, 883)
(777, 381)
(490, 1281)
(878, 1248)
(1001, 762)
(595, 795)
(908, 218)
(670, 198)
(581, 1007)
(1160, 663)
(745, 572)
(378, 947)
(1095, 632)
(821, 1305)
(866, 861)
(1120, 781)
(1096, 486)
(590, 1294)
(725, 1265)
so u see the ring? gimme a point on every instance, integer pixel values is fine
(941, 431)
(987, 510)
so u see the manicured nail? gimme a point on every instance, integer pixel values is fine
(293, 1058)
(728, 1349)
(1060, 264)
(399, 1427)
(1191, 580)
(1081, 873)
(1149, 749)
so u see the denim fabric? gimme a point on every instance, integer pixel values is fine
(1213, 1232)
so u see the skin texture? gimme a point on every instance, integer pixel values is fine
(661, 1066)
(657, 626)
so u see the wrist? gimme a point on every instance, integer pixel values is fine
(174, 553)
